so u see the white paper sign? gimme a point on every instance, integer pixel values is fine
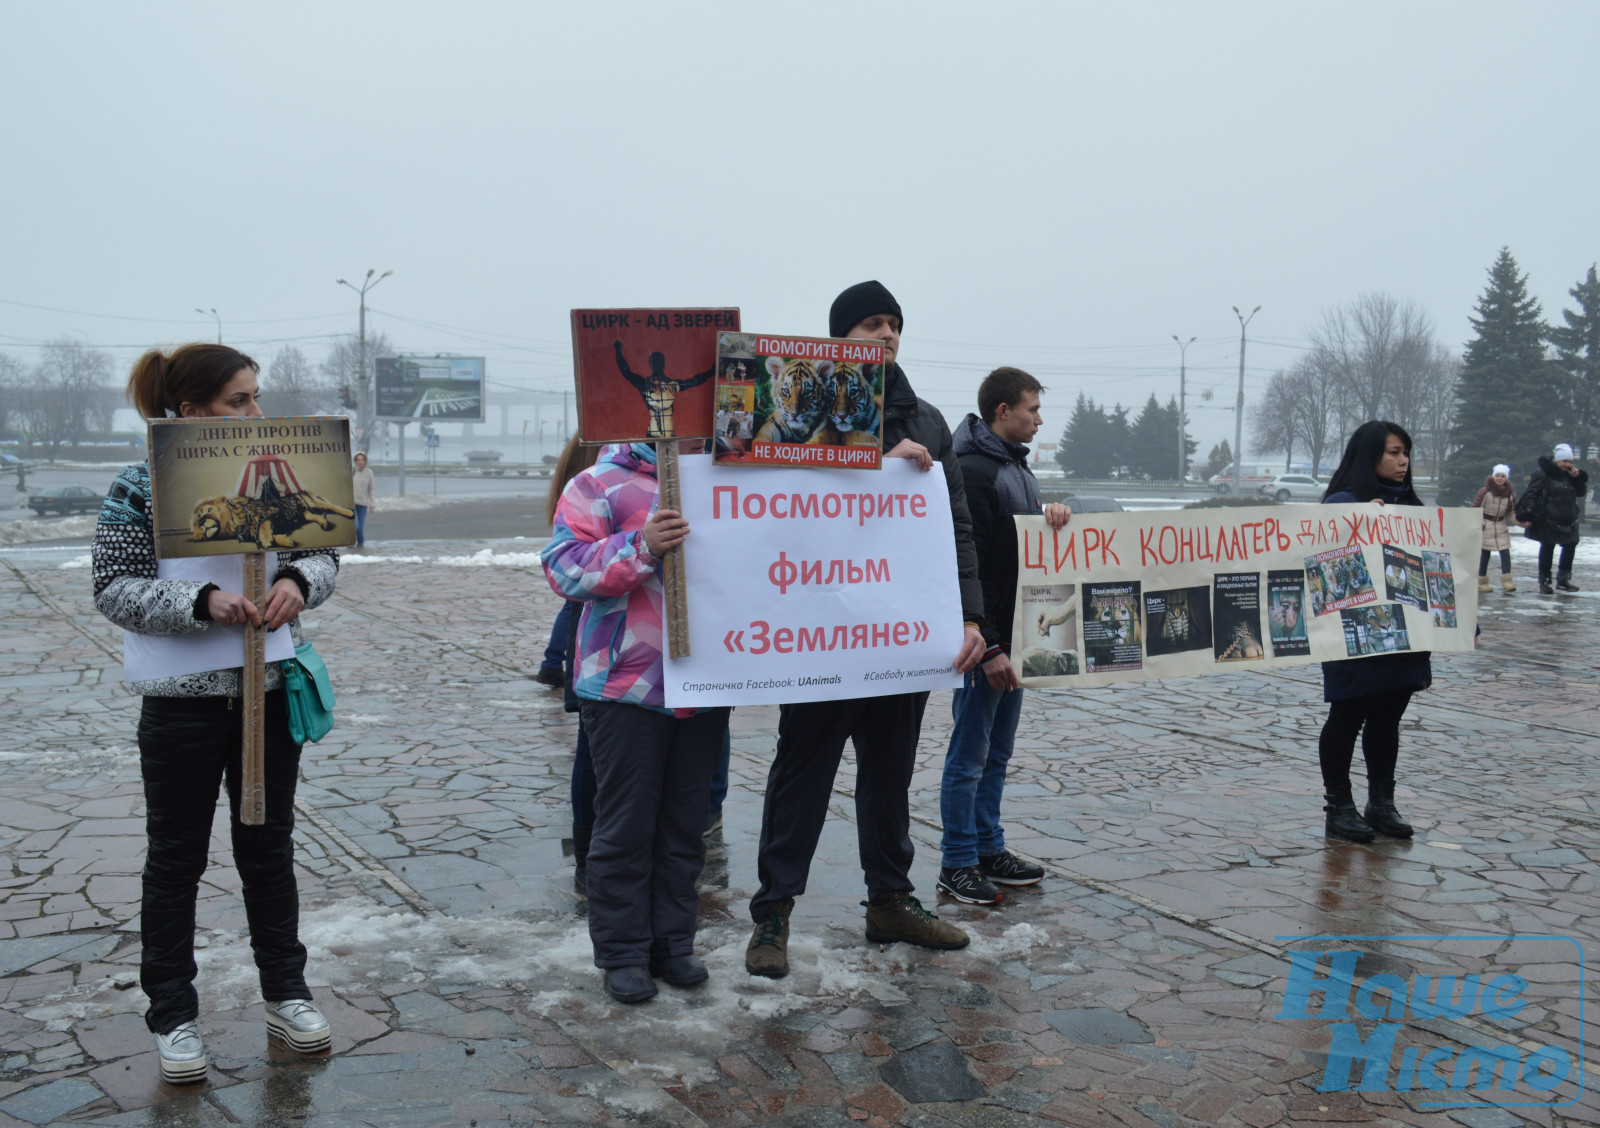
(147, 657)
(816, 585)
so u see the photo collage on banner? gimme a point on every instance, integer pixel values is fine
(1130, 596)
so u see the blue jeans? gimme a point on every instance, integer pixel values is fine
(975, 770)
(555, 650)
(361, 525)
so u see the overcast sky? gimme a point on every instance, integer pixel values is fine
(1060, 186)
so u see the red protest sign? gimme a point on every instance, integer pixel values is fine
(645, 374)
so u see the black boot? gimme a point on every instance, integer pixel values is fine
(1564, 582)
(1544, 586)
(580, 858)
(1343, 821)
(1381, 814)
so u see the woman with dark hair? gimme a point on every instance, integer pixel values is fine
(1368, 696)
(190, 725)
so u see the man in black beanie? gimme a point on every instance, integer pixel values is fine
(884, 730)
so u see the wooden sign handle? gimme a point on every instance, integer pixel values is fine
(252, 698)
(672, 579)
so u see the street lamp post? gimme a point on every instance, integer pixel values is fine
(1238, 409)
(1183, 447)
(212, 312)
(363, 380)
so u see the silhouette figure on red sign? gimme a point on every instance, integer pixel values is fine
(659, 390)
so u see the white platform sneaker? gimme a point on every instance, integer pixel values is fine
(183, 1055)
(299, 1024)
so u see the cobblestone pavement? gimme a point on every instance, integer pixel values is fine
(1137, 985)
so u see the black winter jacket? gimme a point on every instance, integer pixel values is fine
(1380, 673)
(905, 416)
(985, 457)
(1551, 502)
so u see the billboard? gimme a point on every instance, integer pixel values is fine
(442, 388)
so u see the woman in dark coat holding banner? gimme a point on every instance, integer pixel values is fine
(190, 723)
(1368, 696)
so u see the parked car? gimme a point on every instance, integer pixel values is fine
(1295, 487)
(68, 499)
(1092, 503)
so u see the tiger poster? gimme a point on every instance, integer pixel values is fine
(222, 486)
(645, 374)
(799, 401)
(1200, 593)
(1113, 628)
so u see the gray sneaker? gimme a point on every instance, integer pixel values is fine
(183, 1055)
(300, 1024)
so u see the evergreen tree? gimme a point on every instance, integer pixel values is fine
(1118, 439)
(1578, 356)
(1220, 459)
(1153, 441)
(1505, 406)
(1087, 443)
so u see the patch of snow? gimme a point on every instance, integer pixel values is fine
(24, 532)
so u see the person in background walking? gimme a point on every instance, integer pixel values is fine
(190, 727)
(366, 496)
(1499, 504)
(652, 765)
(1551, 506)
(1368, 696)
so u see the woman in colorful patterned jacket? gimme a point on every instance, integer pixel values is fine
(190, 725)
(652, 765)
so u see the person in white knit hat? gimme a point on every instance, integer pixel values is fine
(1551, 505)
(1499, 504)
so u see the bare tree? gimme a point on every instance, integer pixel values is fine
(291, 386)
(1383, 356)
(341, 368)
(1316, 400)
(69, 395)
(13, 393)
(1430, 432)
(1272, 419)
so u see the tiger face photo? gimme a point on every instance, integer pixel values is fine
(269, 521)
(802, 393)
(855, 414)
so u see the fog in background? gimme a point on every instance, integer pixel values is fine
(1057, 186)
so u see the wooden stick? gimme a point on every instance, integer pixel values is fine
(252, 698)
(676, 606)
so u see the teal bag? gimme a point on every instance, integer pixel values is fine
(310, 694)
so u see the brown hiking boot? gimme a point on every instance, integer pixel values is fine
(900, 916)
(768, 951)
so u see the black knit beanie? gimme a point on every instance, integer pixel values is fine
(858, 303)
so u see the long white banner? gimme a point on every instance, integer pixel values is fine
(816, 584)
(1129, 596)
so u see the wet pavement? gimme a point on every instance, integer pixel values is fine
(1138, 985)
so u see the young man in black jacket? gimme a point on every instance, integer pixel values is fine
(884, 730)
(994, 463)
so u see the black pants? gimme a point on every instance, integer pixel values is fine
(652, 796)
(1505, 561)
(1377, 718)
(1547, 555)
(187, 747)
(811, 740)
